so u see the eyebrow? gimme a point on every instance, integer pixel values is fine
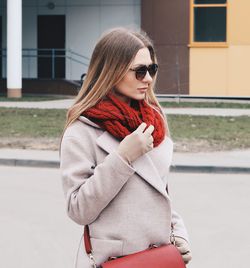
(140, 65)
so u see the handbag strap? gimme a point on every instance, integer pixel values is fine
(87, 242)
(88, 246)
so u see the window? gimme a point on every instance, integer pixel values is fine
(208, 22)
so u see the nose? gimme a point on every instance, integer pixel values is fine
(147, 78)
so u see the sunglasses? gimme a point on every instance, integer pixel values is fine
(141, 71)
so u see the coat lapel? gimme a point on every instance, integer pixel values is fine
(143, 166)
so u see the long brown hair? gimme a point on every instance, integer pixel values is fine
(110, 61)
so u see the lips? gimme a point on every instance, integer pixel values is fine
(143, 89)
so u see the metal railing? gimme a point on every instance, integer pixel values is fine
(31, 57)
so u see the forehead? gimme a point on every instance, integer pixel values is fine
(142, 57)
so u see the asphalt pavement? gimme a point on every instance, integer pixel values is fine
(36, 231)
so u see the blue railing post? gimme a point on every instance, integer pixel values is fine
(28, 63)
(53, 63)
(70, 57)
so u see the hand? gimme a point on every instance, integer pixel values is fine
(137, 143)
(183, 247)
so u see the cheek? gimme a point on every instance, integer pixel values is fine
(128, 83)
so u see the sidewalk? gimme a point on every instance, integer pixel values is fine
(216, 162)
(65, 104)
(52, 104)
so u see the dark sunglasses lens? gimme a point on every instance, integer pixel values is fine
(152, 69)
(141, 72)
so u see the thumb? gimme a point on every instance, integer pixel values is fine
(141, 128)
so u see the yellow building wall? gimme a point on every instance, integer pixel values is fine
(239, 22)
(208, 73)
(225, 71)
(238, 71)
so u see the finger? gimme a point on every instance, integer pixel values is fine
(149, 130)
(141, 128)
(183, 249)
(187, 257)
(150, 139)
(179, 241)
(150, 146)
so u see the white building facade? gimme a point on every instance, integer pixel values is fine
(58, 36)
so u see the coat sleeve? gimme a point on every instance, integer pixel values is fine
(179, 228)
(88, 188)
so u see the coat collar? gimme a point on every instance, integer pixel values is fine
(87, 121)
(143, 166)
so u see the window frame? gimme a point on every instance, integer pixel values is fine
(193, 43)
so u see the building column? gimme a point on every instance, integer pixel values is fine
(14, 48)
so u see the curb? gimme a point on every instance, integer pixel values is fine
(29, 163)
(209, 169)
(173, 168)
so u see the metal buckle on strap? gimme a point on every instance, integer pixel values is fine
(92, 260)
(152, 246)
(112, 258)
(172, 237)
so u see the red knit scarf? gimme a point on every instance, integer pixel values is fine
(120, 119)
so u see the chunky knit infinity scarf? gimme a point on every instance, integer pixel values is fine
(120, 119)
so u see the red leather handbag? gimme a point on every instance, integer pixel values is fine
(165, 256)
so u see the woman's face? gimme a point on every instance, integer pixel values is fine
(131, 88)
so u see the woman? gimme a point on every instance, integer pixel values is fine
(116, 152)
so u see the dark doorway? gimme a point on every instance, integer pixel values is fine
(51, 35)
(1, 47)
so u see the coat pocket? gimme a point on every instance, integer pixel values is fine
(105, 248)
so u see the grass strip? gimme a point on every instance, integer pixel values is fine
(18, 122)
(233, 132)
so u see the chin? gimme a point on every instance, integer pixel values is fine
(138, 97)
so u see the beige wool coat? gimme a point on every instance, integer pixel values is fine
(126, 206)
